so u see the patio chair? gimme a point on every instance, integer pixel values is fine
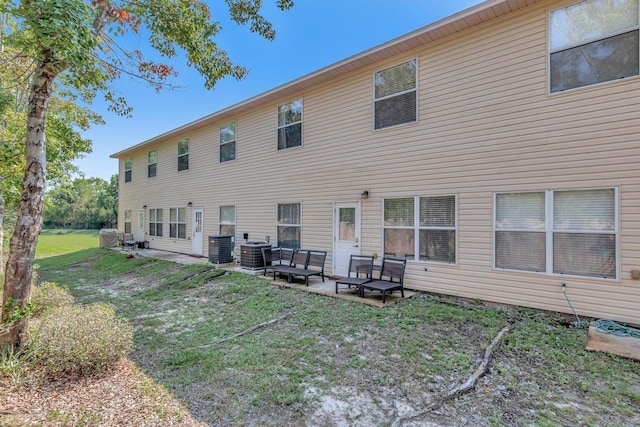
(126, 240)
(298, 261)
(360, 271)
(392, 268)
(273, 257)
(313, 267)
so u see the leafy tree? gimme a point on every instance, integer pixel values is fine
(82, 203)
(74, 43)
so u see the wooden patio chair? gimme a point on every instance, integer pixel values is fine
(360, 272)
(393, 269)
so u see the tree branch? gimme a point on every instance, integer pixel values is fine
(247, 331)
(464, 387)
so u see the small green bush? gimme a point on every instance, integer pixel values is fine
(77, 339)
(49, 295)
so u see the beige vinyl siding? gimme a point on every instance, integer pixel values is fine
(486, 124)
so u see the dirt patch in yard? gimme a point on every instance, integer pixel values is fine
(347, 365)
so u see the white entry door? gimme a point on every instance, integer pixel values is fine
(197, 233)
(139, 232)
(346, 236)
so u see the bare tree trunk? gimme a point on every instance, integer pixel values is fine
(22, 247)
(1, 224)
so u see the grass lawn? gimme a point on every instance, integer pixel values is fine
(328, 361)
(52, 242)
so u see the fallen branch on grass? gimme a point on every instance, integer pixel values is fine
(184, 279)
(464, 387)
(246, 331)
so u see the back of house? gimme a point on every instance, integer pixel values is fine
(496, 150)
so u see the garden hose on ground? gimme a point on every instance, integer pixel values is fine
(611, 327)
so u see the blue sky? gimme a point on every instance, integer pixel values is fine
(310, 36)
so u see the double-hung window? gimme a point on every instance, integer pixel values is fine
(289, 225)
(228, 142)
(152, 163)
(128, 165)
(183, 155)
(228, 221)
(395, 95)
(573, 232)
(127, 221)
(177, 223)
(593, 41)
(155, 222)
(290, 124)
(426, 226)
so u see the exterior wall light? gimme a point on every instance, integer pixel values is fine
(364, 195)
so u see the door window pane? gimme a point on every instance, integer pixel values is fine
(347, 226)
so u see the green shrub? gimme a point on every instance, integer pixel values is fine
(49, 295)
(77, 339)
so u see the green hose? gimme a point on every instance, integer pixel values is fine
(613, 328)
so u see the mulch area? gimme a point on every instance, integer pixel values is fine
(124, 396)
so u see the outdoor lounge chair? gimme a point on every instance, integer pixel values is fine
(275, 257)
(360, 271)
(313, 267)
(392, 268)
(298, 261)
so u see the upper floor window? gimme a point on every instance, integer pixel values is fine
(423, 225)
(571, 232)
(178, 223)
(183, 155)
(155, 222)
(128, 165)
(228, 142)
(152, 162)
(289, 225)
(395, 95)
(593, 41)
(290, 124)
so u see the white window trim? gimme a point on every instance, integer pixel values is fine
(154, 163)
(182, 155)
(278, 127)
(417, 227)
(289, 225)
(549, 231)
(373, 96)
(233, 141)
(177, 223)
(584, 42)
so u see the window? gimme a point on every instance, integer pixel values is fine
(558, 232)
(593, 41)
(289, 225)
(178, 223)
(155, 222)
(127, 221)
(128, 164)
(290, 125)
(228, 142)
(152, 163)
(183, 155)
(395, 96)
(228, 221)
(423, 225)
